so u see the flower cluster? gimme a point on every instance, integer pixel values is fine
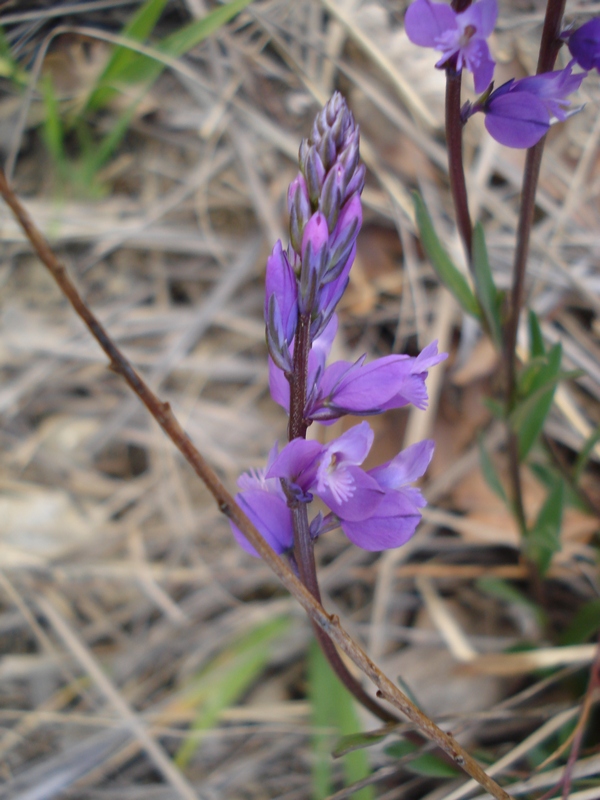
(518, 113)
(376, 509)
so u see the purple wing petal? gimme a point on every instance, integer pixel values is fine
(517, 119)
(482, 15)
(406, 467)
(295, 462)
(381, 533)
(352, 446)
(425, 22)
(270, 516)
(584, 44)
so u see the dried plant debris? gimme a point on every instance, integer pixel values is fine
(143, 654)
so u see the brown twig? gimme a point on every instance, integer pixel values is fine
(162, 413)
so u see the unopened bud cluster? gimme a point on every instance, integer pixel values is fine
(325, 217)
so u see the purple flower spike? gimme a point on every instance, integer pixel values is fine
(460, 37)
(584, 44)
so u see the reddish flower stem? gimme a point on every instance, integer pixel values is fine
(549, 47)
(456, 172)
(304, 553)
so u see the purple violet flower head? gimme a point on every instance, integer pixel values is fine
(340, 482)
(519, 113)
(363, 389)
(459, 36)
(584, 44)
(396, 517)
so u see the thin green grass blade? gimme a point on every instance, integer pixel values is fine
(333, 710)
(139, 27)
(144, 69)
(52, 128)
(226, 679)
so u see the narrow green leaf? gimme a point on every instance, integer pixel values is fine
(530, 414)
(489, 472)
(507, 593)
(543, 540)
(226, 678)
(358, 741)
(441, 261)
(401, 749)
(144, 69)
(585, 453)
(432, 766)
(139, 27)
(487, 294)
(585, 624)
(52, 128)
(536, 339)
(333, 707)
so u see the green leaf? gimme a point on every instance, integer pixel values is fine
(333, 708)
(139, 27)
(530, 414)
(507, 593)
(227, 678)
(441, 261)
(52, 129)
(548, 476)
(585, 453)
(359, 741)
(401, 749)
(489, 472)
(432, 766)
(536, 340)
(543, 540)
(586, 623)
(487, 294)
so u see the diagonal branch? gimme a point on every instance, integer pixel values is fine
(162, 413)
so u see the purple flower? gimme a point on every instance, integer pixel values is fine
(459, 36)
(519, 113)
(340, 483)
(584, 44)
(264, 503)
(396, 517)
(552, 89)
(361, 389)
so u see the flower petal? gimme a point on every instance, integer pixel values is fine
(426, 21)
(271, 516)
(517, 119)
(406, 467)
